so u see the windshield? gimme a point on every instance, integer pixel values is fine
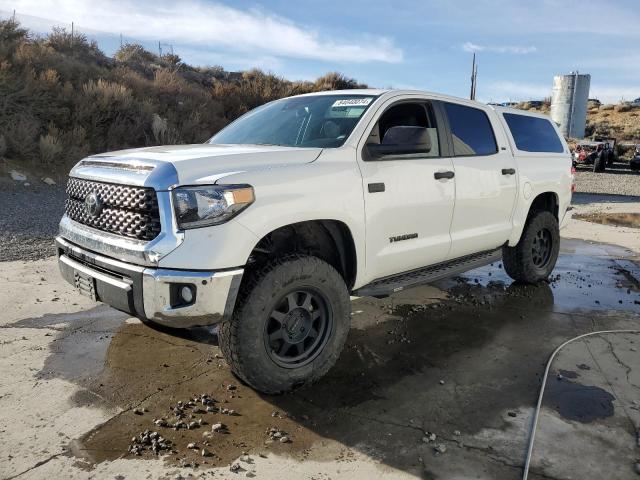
(310, 121)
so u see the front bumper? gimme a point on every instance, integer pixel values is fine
(150, 293)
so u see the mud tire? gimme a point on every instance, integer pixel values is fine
(242, 339)
(519, 260)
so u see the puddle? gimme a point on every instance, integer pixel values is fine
(101, 313)
(582, 403)
(80, 345)
(569, 373)
(152, 370)
(585, 278)
(631, 220)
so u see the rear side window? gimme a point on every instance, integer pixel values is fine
(533, 134)
(471, 131)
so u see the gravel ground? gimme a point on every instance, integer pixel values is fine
(29, 220)
(615, 180)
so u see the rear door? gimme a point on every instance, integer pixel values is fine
(486, 179)
(408, 197)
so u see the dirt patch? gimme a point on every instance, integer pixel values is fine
(631, 220)
(181, 388)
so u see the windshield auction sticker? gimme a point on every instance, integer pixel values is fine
(352, 102)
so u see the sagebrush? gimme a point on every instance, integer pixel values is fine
(62, 98)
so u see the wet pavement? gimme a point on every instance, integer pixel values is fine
(590, 416)
(462, 359)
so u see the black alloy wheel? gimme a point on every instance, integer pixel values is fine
(541, 248)
(298, 328)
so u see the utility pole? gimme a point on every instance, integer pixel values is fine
(71, 36)
(159, 50)
(475, 81)
(120, 40)
(474, 78)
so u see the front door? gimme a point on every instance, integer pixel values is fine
(486, 183)
(409, 192)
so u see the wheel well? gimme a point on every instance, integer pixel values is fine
(545, 202)
(329, 240)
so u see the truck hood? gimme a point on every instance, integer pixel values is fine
(162, 167)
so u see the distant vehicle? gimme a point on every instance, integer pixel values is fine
(636, 102)
(635, 161)
(600, 154)
(508, 104)
(595, 101)
(536, 103)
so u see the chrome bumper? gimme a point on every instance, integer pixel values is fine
(149, 293)
(215, 297)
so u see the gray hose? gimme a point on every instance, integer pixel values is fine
(525, 474)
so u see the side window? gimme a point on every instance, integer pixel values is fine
(471, 131)
(533, 134)
(407, 123)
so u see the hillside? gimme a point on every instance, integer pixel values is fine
(62, 98)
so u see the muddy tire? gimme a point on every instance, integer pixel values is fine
(289, 326)
(535, 255)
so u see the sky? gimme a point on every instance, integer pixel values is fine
(416, 44)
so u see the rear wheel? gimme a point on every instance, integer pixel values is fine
(290, 324)
(535, 255)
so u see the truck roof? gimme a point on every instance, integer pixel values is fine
(388, 91)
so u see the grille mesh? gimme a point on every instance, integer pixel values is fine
(127, 211)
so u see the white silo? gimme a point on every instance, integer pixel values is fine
(569, 103)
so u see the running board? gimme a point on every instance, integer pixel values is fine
(384, 287)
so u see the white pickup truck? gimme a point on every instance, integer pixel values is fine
(269, 227)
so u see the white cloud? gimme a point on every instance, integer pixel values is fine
(197, 22)
(513, 49)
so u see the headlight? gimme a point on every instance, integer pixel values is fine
(204, 205)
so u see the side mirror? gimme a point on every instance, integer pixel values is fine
(401, 140)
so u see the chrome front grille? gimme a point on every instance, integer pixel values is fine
(124, 210)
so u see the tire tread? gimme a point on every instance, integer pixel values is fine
(517, 260)
(230, 339)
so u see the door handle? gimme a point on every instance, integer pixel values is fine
(441, 175)
(508, 171)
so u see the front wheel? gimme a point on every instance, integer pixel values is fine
(290, 324)
(535, 255)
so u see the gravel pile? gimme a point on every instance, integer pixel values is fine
(615, 180)
(29, 220)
